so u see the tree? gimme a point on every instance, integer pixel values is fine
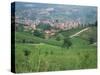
(92, 37)
(26, 52)
(92, 40)
(23, 41)
(20, 27)
(59, 37)
(38, 33)
(95, 24)
(67, 43)
(44, 26)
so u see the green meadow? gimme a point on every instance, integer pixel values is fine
(35, 54)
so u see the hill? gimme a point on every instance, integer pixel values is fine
(35, 54)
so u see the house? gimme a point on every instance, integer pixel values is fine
(49, 33)
(60, 26)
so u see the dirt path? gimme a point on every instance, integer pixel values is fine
(76, 34)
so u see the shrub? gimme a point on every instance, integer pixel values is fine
(26, 52)
(67, 43)
(59, 37)
(38, 33)
(92, 40)
(44, 26)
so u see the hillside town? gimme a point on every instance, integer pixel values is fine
(30, 24)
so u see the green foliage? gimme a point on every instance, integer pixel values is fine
(59, 37)
(48, 54)
(38, 33)
(44, 26)
(20, 36)
(92, 40)
(20, 28)
(90, 35)
(26, 52)
(67, 42)
(96, 23)
(53, 58)
(70, 32)
(23, 41)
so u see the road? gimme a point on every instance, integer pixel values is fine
(76, 34)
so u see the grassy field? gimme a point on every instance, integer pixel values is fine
(71, 31)
(48, 55)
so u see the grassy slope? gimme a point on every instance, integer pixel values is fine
(92, 31)
(22, 35)
(45, 56)
(53, 58)
(70, 32)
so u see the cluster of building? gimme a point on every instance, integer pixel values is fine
(29, 24)
(68, 25)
